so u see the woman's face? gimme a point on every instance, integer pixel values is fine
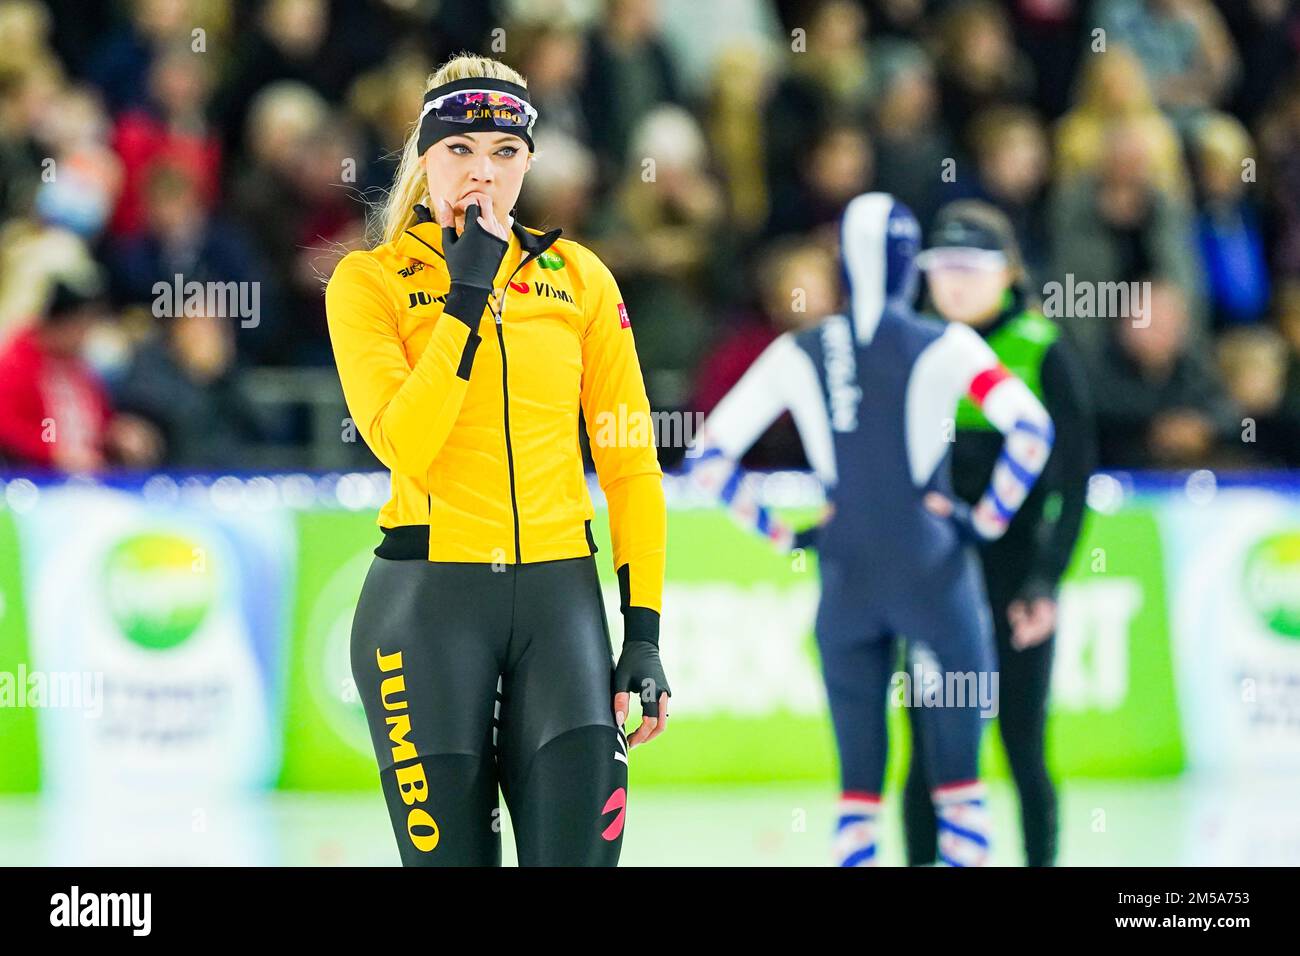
(492, 164)
(969, 296)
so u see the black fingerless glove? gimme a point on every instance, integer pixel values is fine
(473, 258)
(640, 672)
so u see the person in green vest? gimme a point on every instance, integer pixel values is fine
(975, 275)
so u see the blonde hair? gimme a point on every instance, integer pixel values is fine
(1222, 138)
(1081, 133)
(396, 214)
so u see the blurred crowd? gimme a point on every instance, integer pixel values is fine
(703, 149)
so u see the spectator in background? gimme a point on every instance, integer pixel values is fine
(184, 382)
(664, 235)
(561, 184)
(1267, 32)
(1159, 402)
(554, 59)
(82, 184)
(797, 280)
(123, 62)
(1113, 91)
(1280, 175)
(742, 85)
(383, 100)
(79, 28)
(1254, 365)
(75, 132)
(839, 163)
(57, 415)
(290, 199)
(1182, 45)
(1288, 323)
(24, 33)
(1228, 227)
(182, 238)
(898, 19)
(979, 65)
(287, 41)
(827, 83)
(1012, 162)
(1048, 32)
(911, 141)
(282, 122)
(701, 35)
(69, 205)
(774, 142)
(172, 127)
(629, 73)
(33, 256)
(331, 224)
(1118, 227)
(30, 81)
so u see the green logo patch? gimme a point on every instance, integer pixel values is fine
(158, 589)
(1271, 582)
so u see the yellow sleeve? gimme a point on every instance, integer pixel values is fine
(404, 413)
(622, 437)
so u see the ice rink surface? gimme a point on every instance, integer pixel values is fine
(1177, 822)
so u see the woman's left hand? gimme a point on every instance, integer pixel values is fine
(639, 669)
(650, 727)
(1032, 622)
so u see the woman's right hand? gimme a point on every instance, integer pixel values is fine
(474, 255)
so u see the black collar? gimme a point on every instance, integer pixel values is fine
(532, 244)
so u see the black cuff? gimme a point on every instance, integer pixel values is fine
(1036, 587)
(467, 356)
(465, 302)
(641, 624)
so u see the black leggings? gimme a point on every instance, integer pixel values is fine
(474, 676)
(1024, 679)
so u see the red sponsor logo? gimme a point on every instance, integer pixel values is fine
(623, 321)
(617, 804)
(519, 286)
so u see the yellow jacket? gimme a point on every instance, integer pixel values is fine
(481, 437)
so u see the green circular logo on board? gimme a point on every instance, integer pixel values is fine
(550, 260)
(1271, 581)
(158, 588)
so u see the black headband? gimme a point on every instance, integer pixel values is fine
(433, 129)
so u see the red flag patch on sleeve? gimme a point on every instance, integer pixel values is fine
(623, 321)
(984, 382)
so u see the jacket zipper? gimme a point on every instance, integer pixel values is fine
(505, 405)
(505, 395)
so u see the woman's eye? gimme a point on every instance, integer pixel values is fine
(507, 152)
(460, 149)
